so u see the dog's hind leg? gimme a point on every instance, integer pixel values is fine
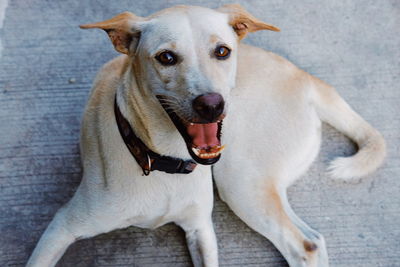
(309, 243)
(270, 214)
(201, 241)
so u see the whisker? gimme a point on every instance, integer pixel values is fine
(165, 96)
(168, 101)
(173, 104)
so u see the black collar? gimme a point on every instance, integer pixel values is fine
(147, 159)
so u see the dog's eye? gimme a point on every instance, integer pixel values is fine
(167, 58)
(222, 52)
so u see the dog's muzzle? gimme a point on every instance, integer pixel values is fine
(202, 133)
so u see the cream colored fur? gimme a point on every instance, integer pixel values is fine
(272, 133)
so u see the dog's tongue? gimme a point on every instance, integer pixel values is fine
(203, 135)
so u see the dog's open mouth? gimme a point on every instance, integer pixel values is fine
(203, 140)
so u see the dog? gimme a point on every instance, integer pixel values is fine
(153, 126)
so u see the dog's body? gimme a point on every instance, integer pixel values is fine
(272, 131)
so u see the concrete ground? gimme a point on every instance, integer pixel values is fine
(47, 65)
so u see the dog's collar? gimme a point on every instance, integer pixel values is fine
(147, 159)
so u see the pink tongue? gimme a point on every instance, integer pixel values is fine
(203, 135)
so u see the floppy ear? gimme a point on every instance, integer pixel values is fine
(243, 22)
(122, 30)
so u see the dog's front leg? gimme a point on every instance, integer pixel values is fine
(72, 222)
(53, 243)
(202, 243)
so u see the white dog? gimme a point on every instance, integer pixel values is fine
(159, 107)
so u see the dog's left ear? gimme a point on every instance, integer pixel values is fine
(243, 22)
(122, 29)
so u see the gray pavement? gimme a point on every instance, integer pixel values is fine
(47, 66)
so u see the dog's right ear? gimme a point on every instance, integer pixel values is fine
(122, 29)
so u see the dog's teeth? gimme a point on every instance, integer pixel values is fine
(206, 155)
(218, 149)
(191, 123)
(195, 151)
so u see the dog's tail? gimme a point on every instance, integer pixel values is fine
(332, 109)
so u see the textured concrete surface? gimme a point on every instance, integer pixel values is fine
(47, 66)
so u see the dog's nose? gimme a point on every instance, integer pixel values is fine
(209, 106)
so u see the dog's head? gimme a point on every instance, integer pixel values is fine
(186, 57)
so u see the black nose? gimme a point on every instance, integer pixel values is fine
(209, 106)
